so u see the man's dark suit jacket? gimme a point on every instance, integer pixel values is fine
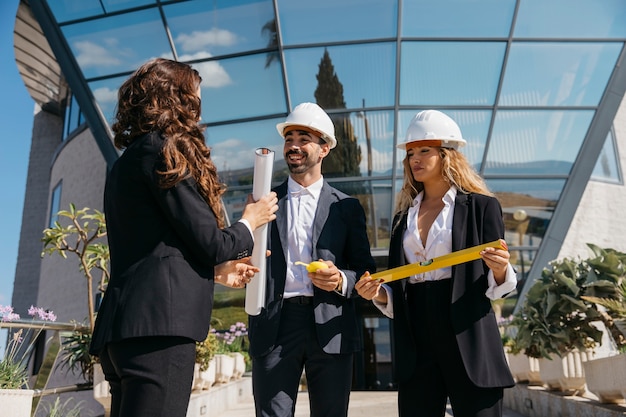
(477, 220)
(339, 235)
(164, 245)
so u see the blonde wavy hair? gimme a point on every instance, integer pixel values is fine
(162, 96)
(455, 169)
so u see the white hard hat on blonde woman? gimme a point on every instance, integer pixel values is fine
(433, 128)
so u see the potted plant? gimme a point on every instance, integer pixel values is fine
(606, 377)
(205, 367)
(15, 396)
(556, 325)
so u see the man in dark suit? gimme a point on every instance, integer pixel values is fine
(309, 320)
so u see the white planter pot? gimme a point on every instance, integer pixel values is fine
(524, 368)
(224, 369)
(565, 374)
(203, 380)
(101, 389)
(606, 378)
(16, 402)
(240, 365)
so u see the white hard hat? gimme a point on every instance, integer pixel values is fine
(311, 116)
(433, 126)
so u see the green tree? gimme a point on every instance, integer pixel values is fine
(344, 160)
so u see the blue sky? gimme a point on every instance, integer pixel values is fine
(16, 119)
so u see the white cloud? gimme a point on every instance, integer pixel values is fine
(105, 95)
(231, 154)
(199, 40)
(212, 73)
(90, 54)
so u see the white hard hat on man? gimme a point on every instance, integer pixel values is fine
(309, 117)
(433, 128)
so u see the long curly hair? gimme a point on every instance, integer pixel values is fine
(162, 96)
(455, 169)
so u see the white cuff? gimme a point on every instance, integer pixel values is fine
(247, 224)
(496, 291)
(386, 309)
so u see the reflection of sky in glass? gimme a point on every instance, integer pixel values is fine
(536, 141)
(557, 74)
(232, 146)
(380, 128)
(607, 167)
(474, 125)
(455, 18)
(117, 44)
(205, 29)
(241, 87)
(571, 19)
(319, 21)
(453, 73)
(105, 93)
(365, 71)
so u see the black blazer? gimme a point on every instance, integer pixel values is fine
(477, 220)
(164, 245)
(340, 235)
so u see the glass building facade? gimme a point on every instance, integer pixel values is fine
(533, 84)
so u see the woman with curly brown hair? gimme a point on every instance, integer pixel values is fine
(446, 340)
(168, 243)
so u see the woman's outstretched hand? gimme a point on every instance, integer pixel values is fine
(260, 212)
(369, 289)
(236, 273)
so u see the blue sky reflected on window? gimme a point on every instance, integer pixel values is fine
(319, 21)
(558, 74)
(233, 146)
(203, 29)
(119, 43)
(105, 93)
(571, 19)
(240, 87)
(380, 132)
(450, 73)
(536, 141)
(457, 18)
(474, 125)
(607, 167)
(365, 71)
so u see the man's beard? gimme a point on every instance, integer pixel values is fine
(300, 167)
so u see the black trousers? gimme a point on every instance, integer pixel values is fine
(276, 376)
(149, 376)
(440, 373)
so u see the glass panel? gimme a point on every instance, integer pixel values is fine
(119, 43)
(536, 141)
(105, 93)
(449, 73)
(373, 131)
(558, 74)
(336, 21)
(376, 199)
(474, 126)
(233, 146)
(72, 117)
(64, 11)
(457, 18)
(527, 206)
(70, 10)
(607, 167)
(571, 19)
(241, 87)
(202, 29)
(55, 203)
(354, 74)
(117, 5)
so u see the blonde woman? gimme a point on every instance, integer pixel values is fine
(446, 340)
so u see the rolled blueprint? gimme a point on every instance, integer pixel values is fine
(261, 185)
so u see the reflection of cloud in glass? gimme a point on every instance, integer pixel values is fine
(105, 95)
(199, 40)
(232, 154)
(89, 54)
(212, 73)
